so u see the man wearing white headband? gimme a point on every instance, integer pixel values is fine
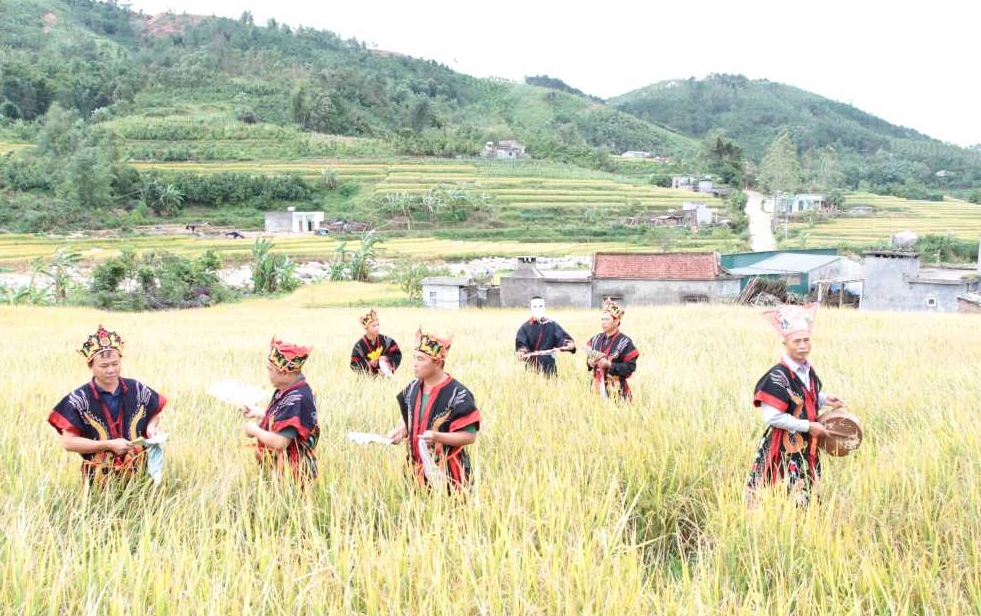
(540, 338)
(790, 397)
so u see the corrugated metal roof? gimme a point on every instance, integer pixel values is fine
(786, 263)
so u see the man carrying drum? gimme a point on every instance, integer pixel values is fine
(789, 396)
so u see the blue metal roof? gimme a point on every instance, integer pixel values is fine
(786, 263)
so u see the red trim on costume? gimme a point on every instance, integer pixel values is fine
(62, 425)
(160, 407)
(763, 397)
(425, 415)
(632, 355)
(293, 422)
(115, 426)
(613, 340)
(456, 470)
(467, 420)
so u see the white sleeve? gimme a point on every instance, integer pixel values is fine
(776, 418)
(823, 399)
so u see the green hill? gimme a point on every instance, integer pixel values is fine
(110, 118)
(141, 120)
(98, 57)
(754, 112)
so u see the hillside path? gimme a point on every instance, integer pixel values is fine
(760, 230)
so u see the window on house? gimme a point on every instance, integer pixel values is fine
(694, 298)
(931, 301)
(432, 298)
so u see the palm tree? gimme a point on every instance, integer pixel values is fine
(170, 200)
(58, 269)
(361, 262)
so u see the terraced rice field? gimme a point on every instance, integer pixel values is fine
(18, 250)
(526, 185)
(958, 218)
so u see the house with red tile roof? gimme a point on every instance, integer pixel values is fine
(632, 278)
(661, 278)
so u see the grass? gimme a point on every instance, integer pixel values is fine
(9, 146)
(961, 219)
(577, 507)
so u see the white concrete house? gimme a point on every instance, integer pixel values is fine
(293, 221)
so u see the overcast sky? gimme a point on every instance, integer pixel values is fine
(912, 66)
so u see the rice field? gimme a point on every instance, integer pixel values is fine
(961, 219)
(529, 184)
(577, 507)
(17, 251)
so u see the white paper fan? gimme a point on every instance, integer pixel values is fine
(237, 393)
(365, 438)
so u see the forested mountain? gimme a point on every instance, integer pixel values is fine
(755, 112)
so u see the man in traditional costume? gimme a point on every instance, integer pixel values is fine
(439, 414)
(106, 420)
(287, 433)
(612, 356)
(539, 334)
(789, 397)
(375, 353)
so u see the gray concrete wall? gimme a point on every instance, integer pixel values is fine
(445, 296)
(279, 222)
(660, 292)
(890, 285)
(516, 292)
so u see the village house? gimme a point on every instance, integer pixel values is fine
(804, 273)
(675, 218)
(797, 204)
(504, 150)
(454, 292)
(560, 287)
(292, 221)
(637, 279)
(896, 280)
(684, 182)
(661, 278)
(703, 213)
(635, 154)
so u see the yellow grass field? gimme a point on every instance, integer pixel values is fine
(577, 508)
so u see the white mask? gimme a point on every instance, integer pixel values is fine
(538, 309)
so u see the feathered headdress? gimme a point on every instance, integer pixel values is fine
(101, 341)
(792, 320)
(614, 309)
(369, 318)
(433, 346)
(287, 357)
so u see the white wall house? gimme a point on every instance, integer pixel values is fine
(293, 222)
(703, 213)
(445, 292)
